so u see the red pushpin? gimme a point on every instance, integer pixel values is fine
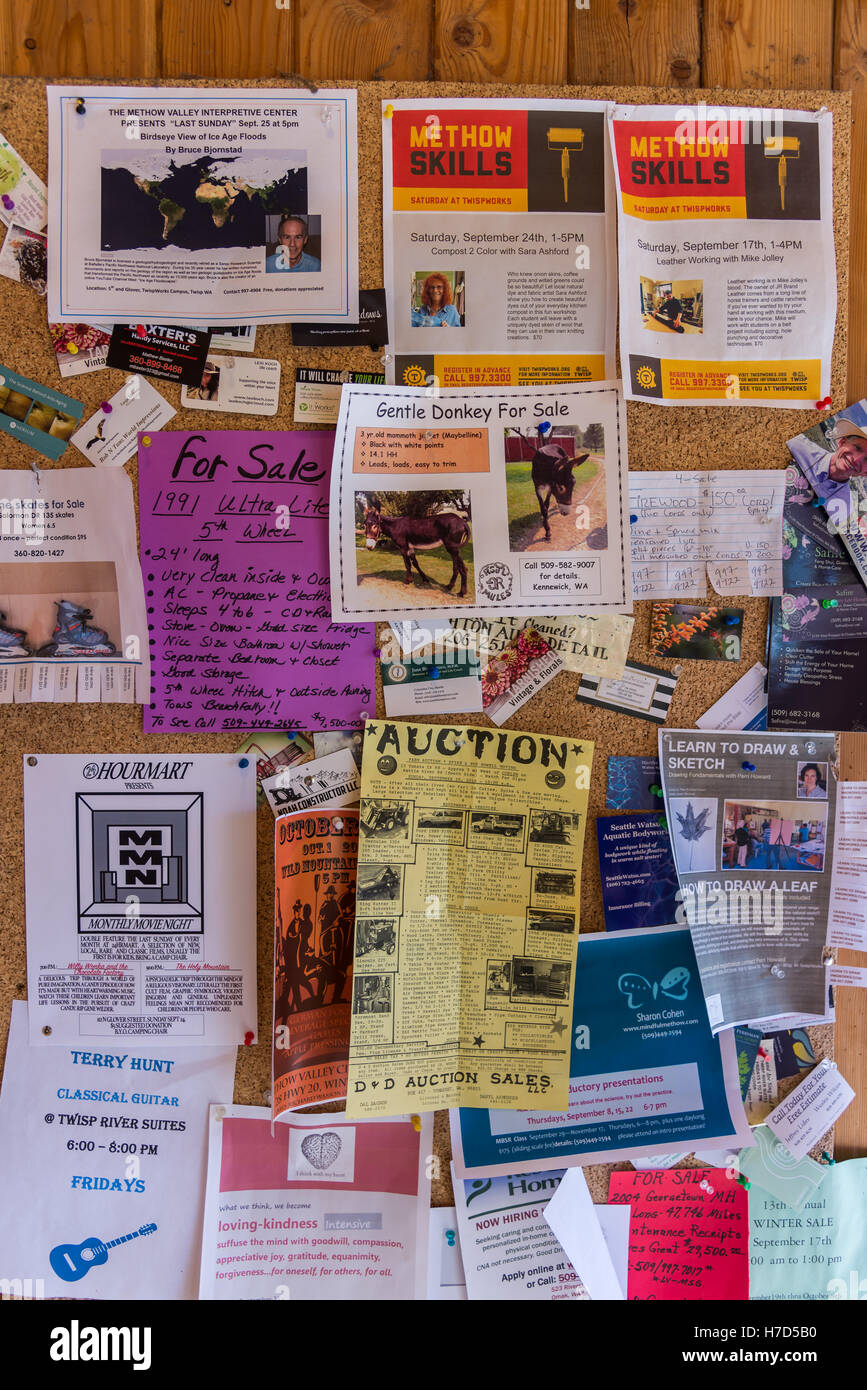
(248, 1038)
(141, 330)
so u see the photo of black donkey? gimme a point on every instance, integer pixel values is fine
(411, 534)
(554, 479)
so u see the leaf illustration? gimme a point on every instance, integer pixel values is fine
(692, 827)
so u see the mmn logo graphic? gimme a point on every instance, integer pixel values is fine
(141, 867)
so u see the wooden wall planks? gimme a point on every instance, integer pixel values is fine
(652, 42)
(79, 38)
(501, 41)
(225, 39)
(785, 44)
(392, 39)
(850, 74)
(737, 43)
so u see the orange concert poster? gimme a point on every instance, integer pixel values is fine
(316, 854)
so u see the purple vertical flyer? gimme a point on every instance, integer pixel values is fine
(234, 554)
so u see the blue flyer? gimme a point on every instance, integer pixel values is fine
(631, 782)
(647, 1075)
(639, 880)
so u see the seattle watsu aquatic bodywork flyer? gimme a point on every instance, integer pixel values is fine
(203, 206)
(728, 291)
(316, 855)
(316, 1207)
(496, 501)
(498, 235)
(473, 1003)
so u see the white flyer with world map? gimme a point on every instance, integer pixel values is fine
(202, 205)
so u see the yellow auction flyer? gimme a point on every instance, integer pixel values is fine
(467, 916)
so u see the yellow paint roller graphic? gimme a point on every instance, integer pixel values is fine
(782, 148)
(563, 139)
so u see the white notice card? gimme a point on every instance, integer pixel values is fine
(315, 1208)
(177, 205)
(811, 1109)
(102, 1165)
(144, 930)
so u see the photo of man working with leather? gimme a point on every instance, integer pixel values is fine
(672, 306)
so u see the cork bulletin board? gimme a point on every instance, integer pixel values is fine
(658, 438)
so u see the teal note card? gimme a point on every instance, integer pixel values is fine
(818, 1252)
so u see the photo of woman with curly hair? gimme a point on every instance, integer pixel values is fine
(438, 300)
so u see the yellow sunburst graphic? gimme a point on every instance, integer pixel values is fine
(414, 375)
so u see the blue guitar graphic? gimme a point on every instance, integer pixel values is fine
(71, 1262)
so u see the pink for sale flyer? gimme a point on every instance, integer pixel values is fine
(234, 554)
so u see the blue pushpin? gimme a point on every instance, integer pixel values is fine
(748, 767)
(732, 620)
(545, 427)
(243, 762)
(290, 736)
(434, 673)
(633, 517)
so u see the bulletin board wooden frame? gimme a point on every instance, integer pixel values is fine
(658, 438)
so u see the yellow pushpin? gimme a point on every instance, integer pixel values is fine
(72, 347)
(146, 439)
(389, 111)
(416, 1123)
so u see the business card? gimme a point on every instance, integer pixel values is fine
(23, 196)
(110, 437)
(808, 1112)
(452, 682)
(161, 350)
(317, 393)
(642, 691)
(246, 386)
(79, 347)
(321, 783)
(25, 258)
(235, 337)
(371, 329)
(744, 706)
(36, 414)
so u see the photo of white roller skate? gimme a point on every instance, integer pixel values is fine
(73, 636)
(12, 640)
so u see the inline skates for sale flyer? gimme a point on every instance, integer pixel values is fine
(12, 640)
(73, 636)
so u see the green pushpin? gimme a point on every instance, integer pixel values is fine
(829, 603)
